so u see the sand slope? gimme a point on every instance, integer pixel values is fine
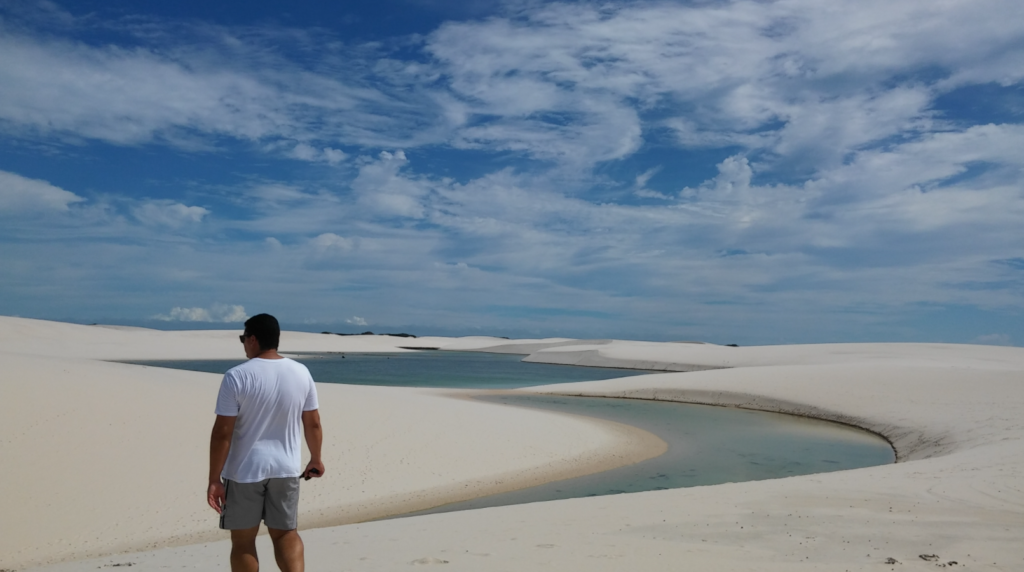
(954, 413)
(100, 457)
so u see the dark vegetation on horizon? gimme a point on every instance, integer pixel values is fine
(371, 334)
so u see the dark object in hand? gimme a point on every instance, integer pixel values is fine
(312, 472)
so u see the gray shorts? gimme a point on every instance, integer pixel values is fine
(274, 501)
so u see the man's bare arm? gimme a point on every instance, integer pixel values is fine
(314, 440)
(220, 444)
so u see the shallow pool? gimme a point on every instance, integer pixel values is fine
(423, 369)
(706, 446)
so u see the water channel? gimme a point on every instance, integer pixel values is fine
(706, 446)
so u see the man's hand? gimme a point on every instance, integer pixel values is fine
(314, 438)
(220, 444)
(215, 496)
(314, 469)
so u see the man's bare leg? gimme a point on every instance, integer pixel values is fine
(288, 550)
(243, 550)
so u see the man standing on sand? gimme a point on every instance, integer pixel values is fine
(256, 449)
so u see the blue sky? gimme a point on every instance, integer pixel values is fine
(737, 172)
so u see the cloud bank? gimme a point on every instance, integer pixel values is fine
(222, 313)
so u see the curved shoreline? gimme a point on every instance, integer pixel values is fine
(623, 445)
(910, 441)
(738, 401)
(694, 434)
(817, 415)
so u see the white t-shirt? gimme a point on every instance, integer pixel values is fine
(268, 397)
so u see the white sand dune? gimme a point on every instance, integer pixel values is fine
(109, 457)
(44, 338)
(90, 464)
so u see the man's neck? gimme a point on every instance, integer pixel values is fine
(270, 354)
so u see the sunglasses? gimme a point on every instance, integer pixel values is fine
(242, 337)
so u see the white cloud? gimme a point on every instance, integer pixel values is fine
(911, 189)
(276, 194)
(578, 83)
(312, 154)
(125, 96)
(642, 178)
(217, 313)
(820, 133)
(382, 191)
(640, 186)
(190, 85)
(330, 243)
(333, 156)
(304, 152)
(186, 315)
(231, 314)
(649, 194)
(356, 321)
(806, 80)
(737, 205)
(168, 213)
(994, 340)
(23, 195)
